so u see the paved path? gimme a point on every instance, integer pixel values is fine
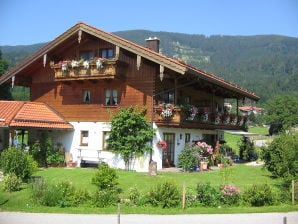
(42, 218)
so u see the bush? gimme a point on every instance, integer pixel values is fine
(230, 195)
(11, 182)
(247, 150)
(133, 195)
(106, 197)
(105, 177)
(187, 159)
(14, 160)
(165, 195)
(259, 195)
(281, 156)
(62, 194)
(208, 195)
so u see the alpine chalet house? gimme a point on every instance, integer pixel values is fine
(86, 72)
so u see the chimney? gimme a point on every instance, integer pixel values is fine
(153, 44)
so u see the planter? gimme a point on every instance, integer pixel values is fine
(71, 164)
(204, 166)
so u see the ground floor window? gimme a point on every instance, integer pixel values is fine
(84, 138)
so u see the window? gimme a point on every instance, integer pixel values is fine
(107, 53)
(105, 136)
(84, 138)
(111, 97)
(187, 137)
(168, 97)
(86, 96)
(87, 55)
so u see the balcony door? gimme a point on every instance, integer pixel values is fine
(168, 155)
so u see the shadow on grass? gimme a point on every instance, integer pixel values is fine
(4, 202)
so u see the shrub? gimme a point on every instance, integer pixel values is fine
(38, 188)
(81, 196)
(165, 195)
(281, 156)
(11, 182)
(14, 160)
(187, 159)
(230, 195)
(259, 195)
(105, 177)
(208, 195)
(133, 195)
(62, 194)
(105, 198)
(247, 150)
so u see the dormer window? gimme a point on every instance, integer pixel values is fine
(107, 53)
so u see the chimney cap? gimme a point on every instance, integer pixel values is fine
(152, 38)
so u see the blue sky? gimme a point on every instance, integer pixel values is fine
(36, 21)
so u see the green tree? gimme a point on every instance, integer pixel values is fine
(282, 113)
(5, 93)
(130, 134)
(281, 156)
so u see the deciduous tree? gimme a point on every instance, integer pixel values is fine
(130, 134)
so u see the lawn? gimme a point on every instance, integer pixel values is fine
(241, 175)
(234, 140)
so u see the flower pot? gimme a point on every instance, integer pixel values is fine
(204, 166)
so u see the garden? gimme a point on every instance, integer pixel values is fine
(238, 188)
(232, 188)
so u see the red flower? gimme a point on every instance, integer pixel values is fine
(162, 144)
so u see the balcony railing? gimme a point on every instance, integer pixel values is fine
(94, 69)
(186, 119)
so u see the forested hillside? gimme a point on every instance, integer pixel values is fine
(265, 64)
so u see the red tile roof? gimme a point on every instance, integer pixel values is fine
(20, 114)
(8, 109)
(250, 108)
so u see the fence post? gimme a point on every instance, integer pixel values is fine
(118, 217)
(183, 195)
(293, 192)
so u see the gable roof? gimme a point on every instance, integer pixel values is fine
(19, 114)
(144, 52)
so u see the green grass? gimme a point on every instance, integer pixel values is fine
(234, 140)
(241, 175)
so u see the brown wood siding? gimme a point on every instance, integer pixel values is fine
(67, 97)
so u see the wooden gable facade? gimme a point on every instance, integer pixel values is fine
(86, 72)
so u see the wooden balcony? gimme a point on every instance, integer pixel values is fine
(211, 121)
(109, 69)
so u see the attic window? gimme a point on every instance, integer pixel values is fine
(107, 53)
(87, 55)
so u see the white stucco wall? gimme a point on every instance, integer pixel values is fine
(71, 142)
